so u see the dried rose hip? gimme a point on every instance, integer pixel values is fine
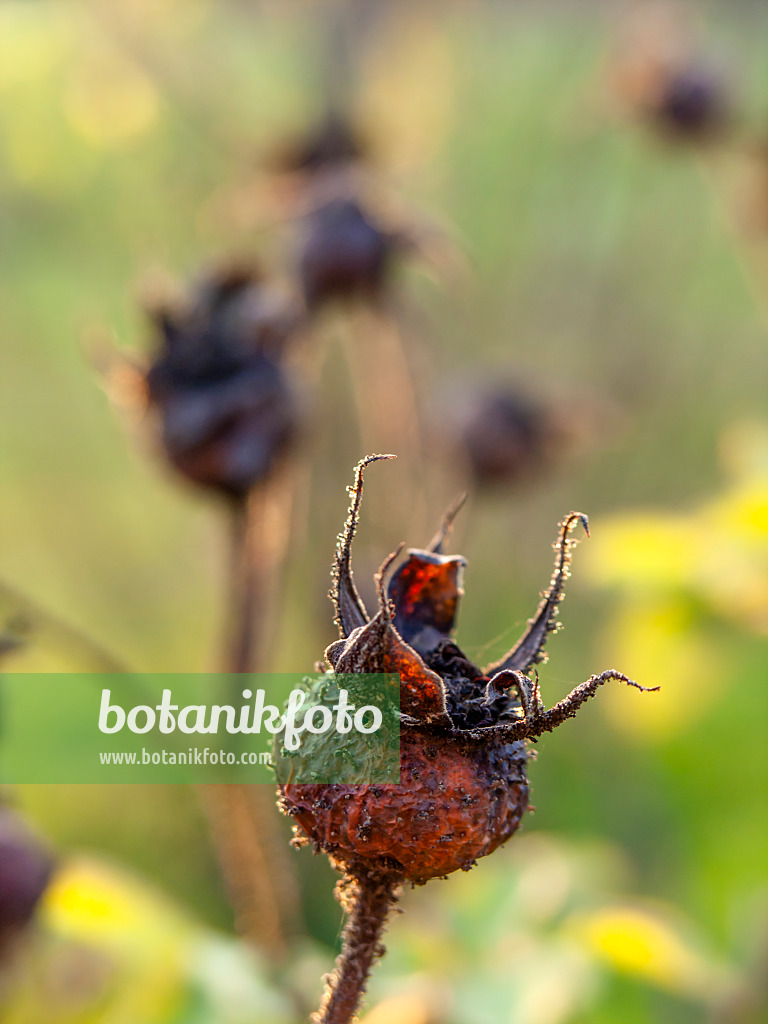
(227, 412)
(691, 103)
(344, 254)
(25, 870)
(661, 79)
(463, 786)
(506, 437)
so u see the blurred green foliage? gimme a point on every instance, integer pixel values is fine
(602, 266)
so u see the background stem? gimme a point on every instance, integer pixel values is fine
(249, 571)
(245, 825)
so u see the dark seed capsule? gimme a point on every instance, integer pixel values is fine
(691, 103)
(344, 254)
(226, 409)
(26, 867)
(505, 436)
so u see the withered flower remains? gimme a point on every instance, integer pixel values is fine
(691, 104)
(227, 412)
(463, 786)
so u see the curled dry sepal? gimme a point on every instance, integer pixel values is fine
(26, 866)
(217, 381)
(463, 786)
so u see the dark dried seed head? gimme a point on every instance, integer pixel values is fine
(227, 412)
(506, 437)
(691, 104)
(26, 866)
(344, 254)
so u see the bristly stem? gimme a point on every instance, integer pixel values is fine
(367, 900)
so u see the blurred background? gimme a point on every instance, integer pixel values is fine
(578, 315)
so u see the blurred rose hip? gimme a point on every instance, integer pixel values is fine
(226, 408)
(344, 254)
(505, 436)
(26, 866)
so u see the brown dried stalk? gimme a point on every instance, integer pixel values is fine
(251, 566)
(367, 901)
(243, 818)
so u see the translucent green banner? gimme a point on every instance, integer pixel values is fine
(199, 728)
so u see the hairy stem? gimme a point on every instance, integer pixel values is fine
(367, 900)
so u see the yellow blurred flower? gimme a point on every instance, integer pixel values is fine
(92, 902)
(33, 40)
(675, 571)
(644, 551)
(112, 949)
(106, 909)
(645, 943)
(109, 101)
(717, 553)
(658, 641)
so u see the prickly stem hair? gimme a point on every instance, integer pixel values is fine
(385, 605)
